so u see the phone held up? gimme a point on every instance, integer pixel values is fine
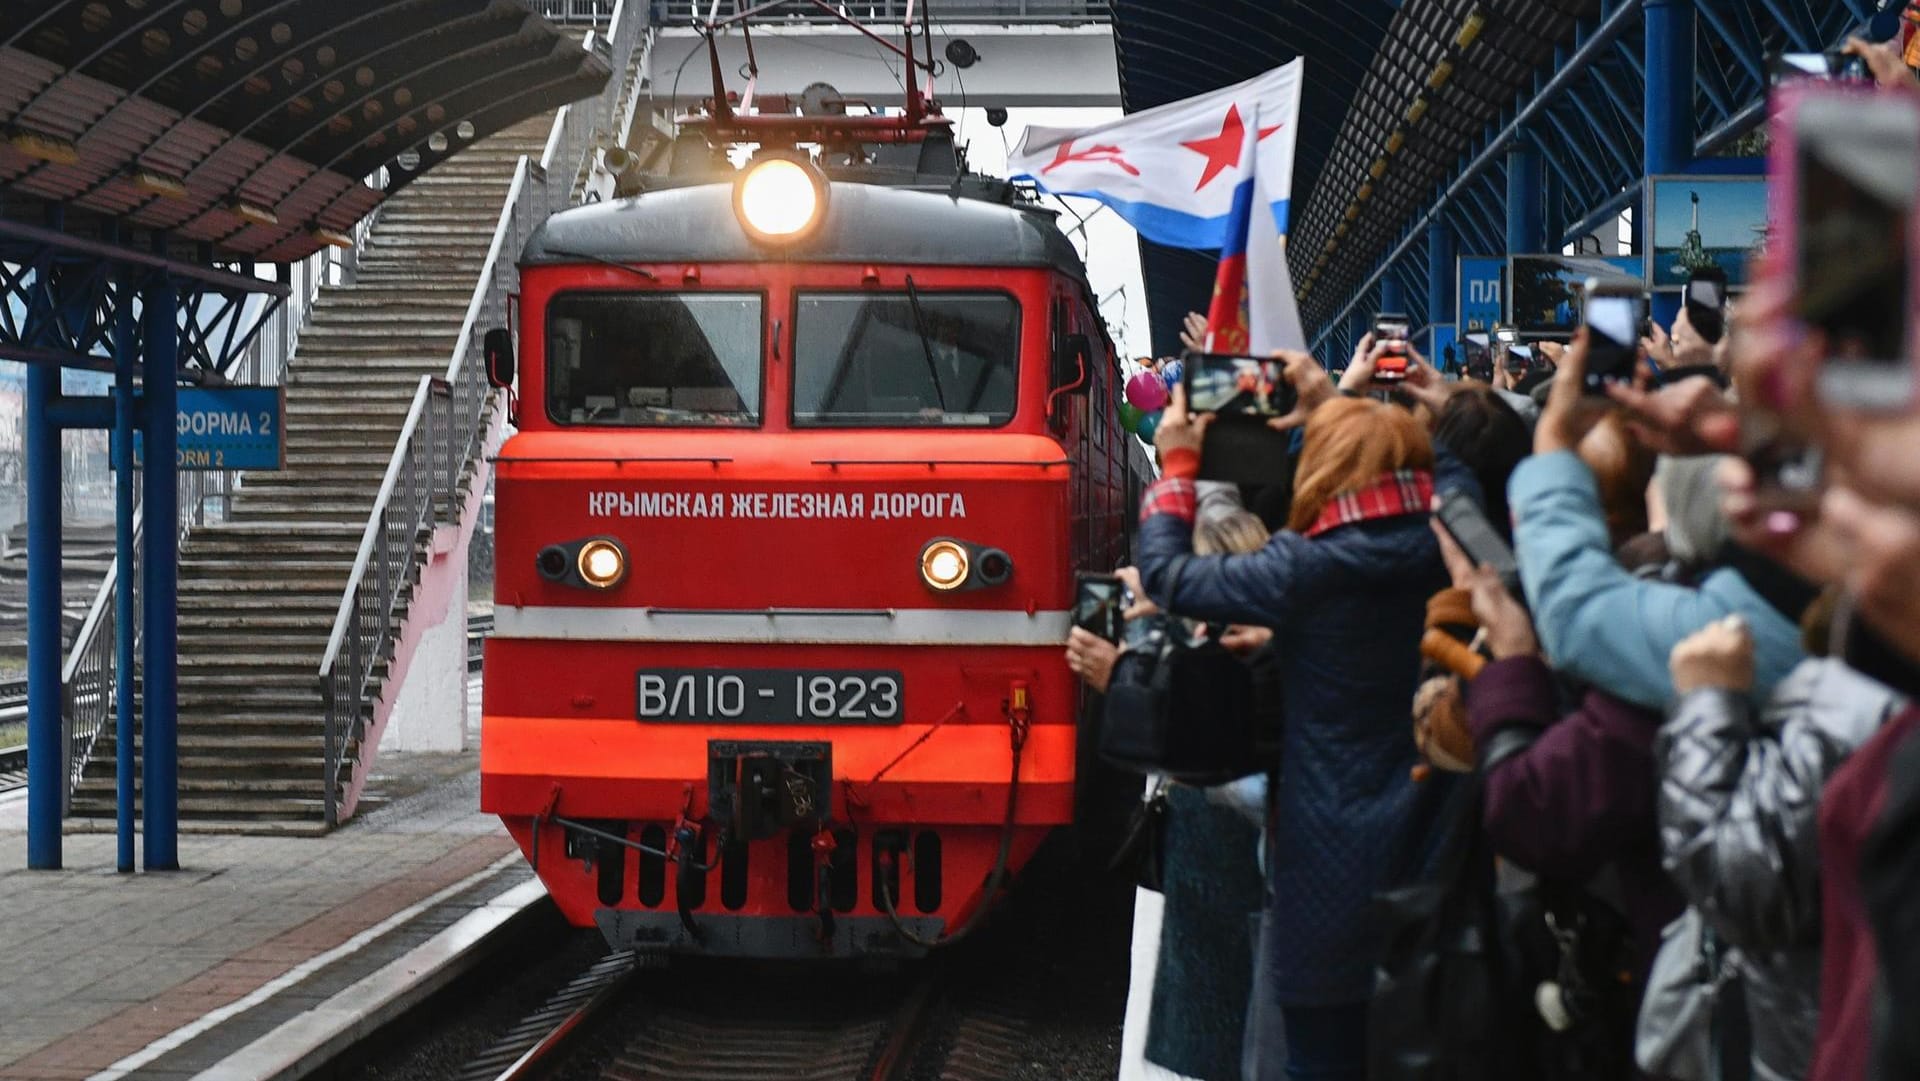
(1469, 527)
(1242, 393)
(1099, 605)
(1834, 65)
(1391, 329)
(1706, 302)
(1847, 167)
(1614, 312)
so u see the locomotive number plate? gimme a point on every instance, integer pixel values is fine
(769, 696)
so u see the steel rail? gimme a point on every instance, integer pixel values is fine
(528, 1049)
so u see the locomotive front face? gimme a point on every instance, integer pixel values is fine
(782, 578)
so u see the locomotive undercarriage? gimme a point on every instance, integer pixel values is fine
(770, 871)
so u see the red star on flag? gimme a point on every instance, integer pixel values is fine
(1222, 151)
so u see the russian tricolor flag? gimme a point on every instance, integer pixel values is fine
(1253, 309)
(1190, 174)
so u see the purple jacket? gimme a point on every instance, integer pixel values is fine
(1581, 796)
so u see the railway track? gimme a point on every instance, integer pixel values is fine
(768, 1030)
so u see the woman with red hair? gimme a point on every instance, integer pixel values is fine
(1344, 589)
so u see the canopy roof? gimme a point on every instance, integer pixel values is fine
(1366, 159)
(251, 127)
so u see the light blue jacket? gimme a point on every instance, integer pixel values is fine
(1599, 623)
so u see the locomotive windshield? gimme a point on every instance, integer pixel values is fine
(650, 359)
(905, 359)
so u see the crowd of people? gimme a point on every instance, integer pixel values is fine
(1648, 808)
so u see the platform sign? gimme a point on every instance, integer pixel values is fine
(227, 428)
(1483, 292)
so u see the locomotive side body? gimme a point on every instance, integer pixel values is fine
(846, 498)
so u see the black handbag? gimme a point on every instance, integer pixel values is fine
(1475, 983)
(1179, 706)
(1142, 855)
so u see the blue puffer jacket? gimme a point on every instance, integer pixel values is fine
(1347, 608)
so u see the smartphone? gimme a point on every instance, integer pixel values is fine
(1390, 329)
(1853, 178)
(1233, 385)
(1506, 335)
(1787, 471)
(1706, 301)
(1098, 603)
(1467, 524)
(1833, 65)
(1614, 312)
(1243, 393)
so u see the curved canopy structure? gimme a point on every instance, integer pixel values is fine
(252, 127)
(1412, 107)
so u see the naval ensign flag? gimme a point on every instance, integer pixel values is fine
(1191, 174)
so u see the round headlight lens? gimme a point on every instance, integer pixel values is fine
(943, 565)
(601, 564)
(778, 198)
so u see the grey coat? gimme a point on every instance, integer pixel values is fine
(1739, 823)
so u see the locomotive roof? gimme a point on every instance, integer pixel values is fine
(865, 223)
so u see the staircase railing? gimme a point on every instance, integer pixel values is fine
(445, 430)
(88, 678)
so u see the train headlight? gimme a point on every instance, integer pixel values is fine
(779, 200)
(944, 565)
(602, 563)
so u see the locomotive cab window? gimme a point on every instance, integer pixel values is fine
(654, 359)
(907, 359)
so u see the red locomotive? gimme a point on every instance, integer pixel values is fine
(809, 453)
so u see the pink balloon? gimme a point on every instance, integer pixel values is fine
(1146, 391)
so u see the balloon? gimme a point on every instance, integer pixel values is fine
(1170, 375)
(1130, 415)
(1146, 391)
(1149, 424)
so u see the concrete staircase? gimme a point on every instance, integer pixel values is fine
(259, 592)
(86, 552)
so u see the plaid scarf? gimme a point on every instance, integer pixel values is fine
(1405, 491)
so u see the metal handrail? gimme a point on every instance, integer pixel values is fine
(447, 423)
(87, 678)
(682, 12)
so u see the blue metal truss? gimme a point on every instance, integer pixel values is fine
(60, 298)
(1587, 117)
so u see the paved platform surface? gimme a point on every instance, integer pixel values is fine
(171, 975)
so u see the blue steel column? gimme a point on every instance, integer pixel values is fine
(1443, 290)
(159, 745)
(1668, 113)
(46, 788)
(123, 628)
(1393, 298)
(1526, 202)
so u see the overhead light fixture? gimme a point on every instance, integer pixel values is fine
(1378, 169)
(167, 187)
(1340, 230)
(333, 237)
(1441, 73)
(38, 144)
(1470, 29)
(1395, 141)
(1365, 193)
(258, 215)
(1353, 211)
(1417, 110)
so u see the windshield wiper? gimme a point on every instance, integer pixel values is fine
(926, 346)
(604, 261)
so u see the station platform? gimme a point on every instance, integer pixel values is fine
(263, 956)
